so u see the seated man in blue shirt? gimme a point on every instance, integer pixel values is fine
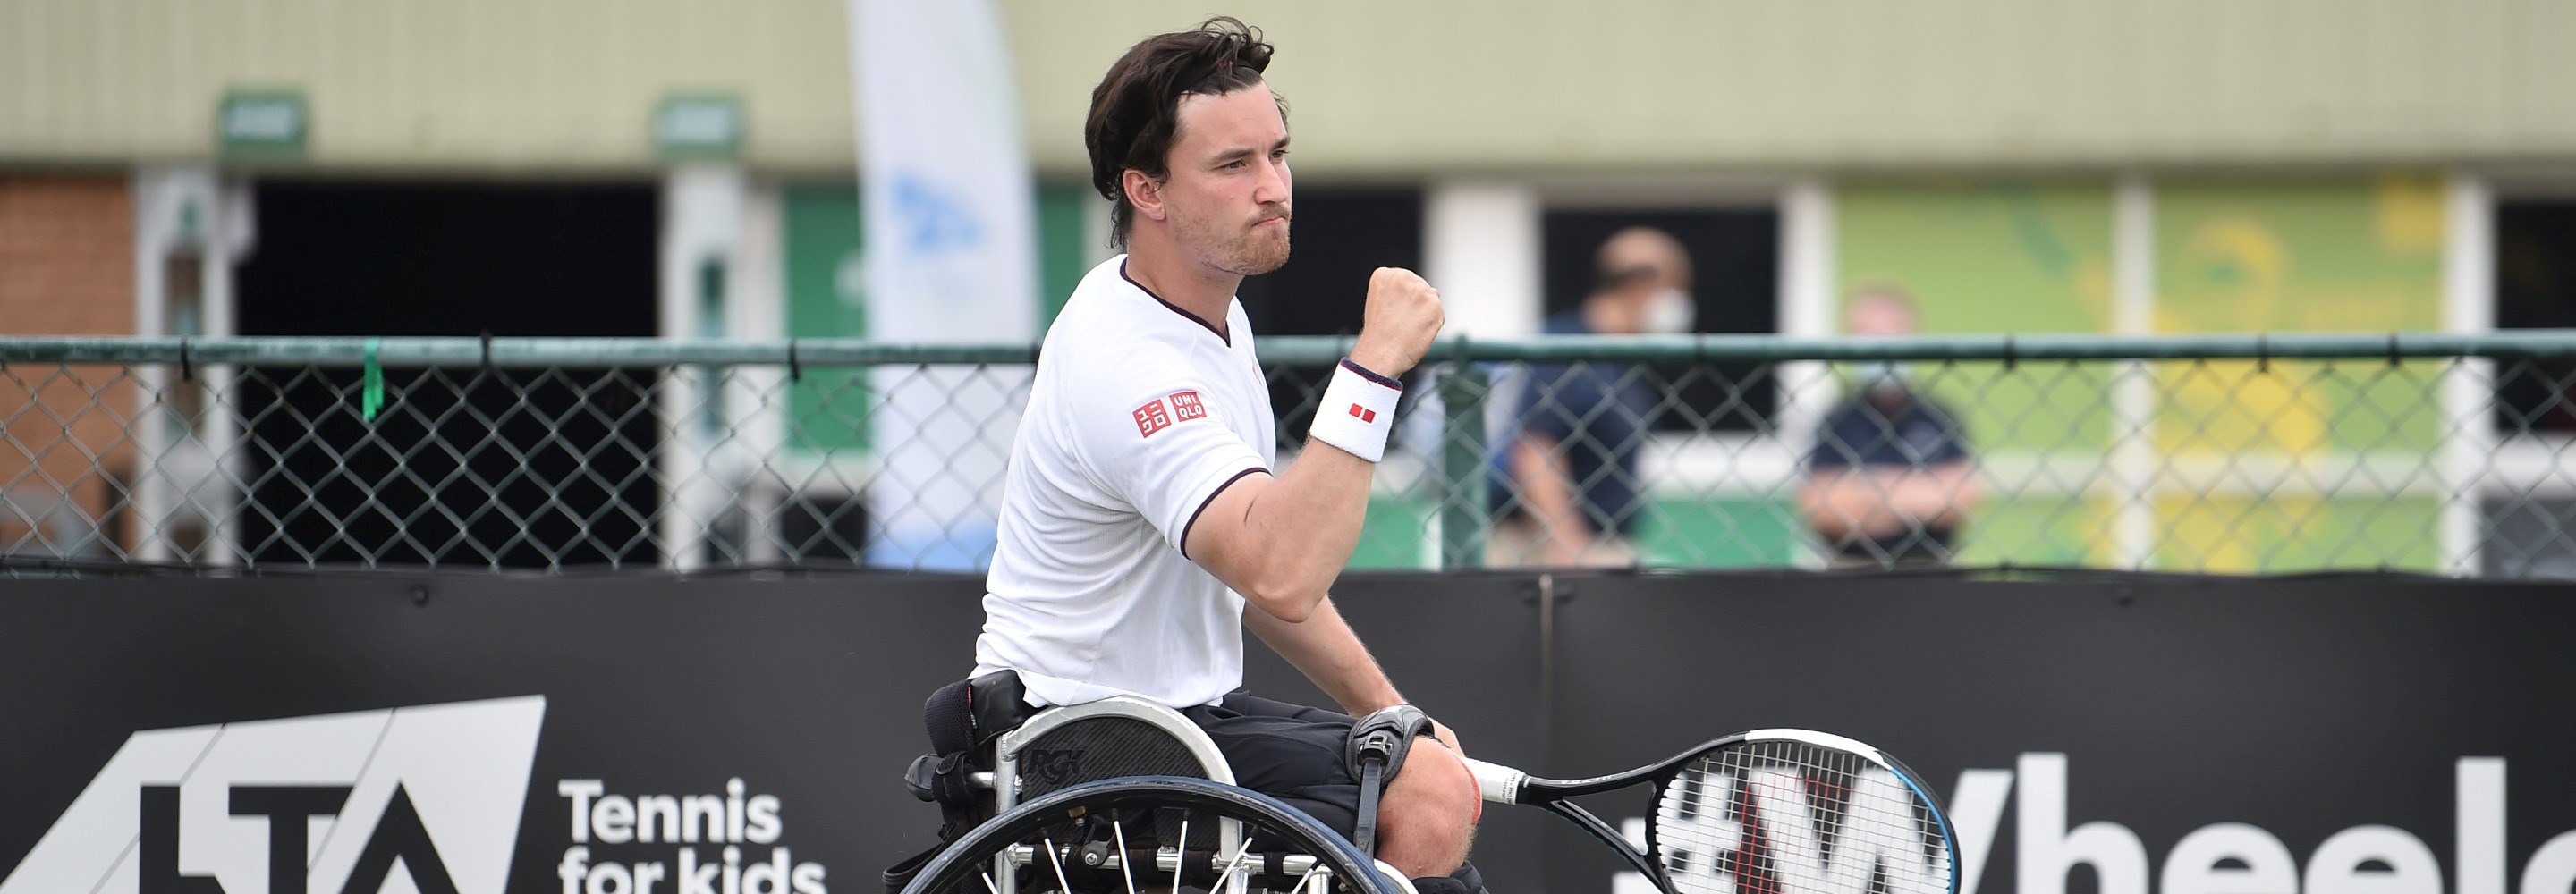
(1573, 492)
(1890, 478)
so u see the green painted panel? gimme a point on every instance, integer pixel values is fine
(2348, 254)
(2245, 535)
(2038, 530)
(828, 409)
(1690, 532)
(826, 295)
(1983, 257)
(2009, 257)
(2327, 255)
(1992, 257)
(1397, 533)
(2320, 255)
(1064, 254)
(1719, 532)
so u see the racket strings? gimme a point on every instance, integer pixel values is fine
(1792, 817)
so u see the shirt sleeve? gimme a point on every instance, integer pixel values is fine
(1151, 435)
(1953, 446)
(1549, 401)
(1833, 448)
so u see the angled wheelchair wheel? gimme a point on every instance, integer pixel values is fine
(1146, 834)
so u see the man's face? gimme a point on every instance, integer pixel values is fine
(1227, 196)
(1879, 315)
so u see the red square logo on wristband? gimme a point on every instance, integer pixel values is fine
(1151, 418)
(1186, 406)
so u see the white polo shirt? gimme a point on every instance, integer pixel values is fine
(1139, 415)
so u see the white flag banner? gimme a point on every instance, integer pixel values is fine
(951, 244)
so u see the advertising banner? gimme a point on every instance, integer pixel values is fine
(951, 258)
(2326, 735)
(472, 733)
(611, 735)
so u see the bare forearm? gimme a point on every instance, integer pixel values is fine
(1547, 489)
(1886, 500)
(1324, 648)
(1306, 523)
(1281, 541)
(1944, 493)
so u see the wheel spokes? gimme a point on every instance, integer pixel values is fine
(1062, 884)
(1126, 865)
(1227, 877)
(1301, 880)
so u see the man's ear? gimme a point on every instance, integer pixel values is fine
(1143, 192)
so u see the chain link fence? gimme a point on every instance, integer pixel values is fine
(2212, 454)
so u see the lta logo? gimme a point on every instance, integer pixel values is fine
(334, 804)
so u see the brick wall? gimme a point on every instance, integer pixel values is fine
(66, 268)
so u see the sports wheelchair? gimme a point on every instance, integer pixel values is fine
(1117, 796)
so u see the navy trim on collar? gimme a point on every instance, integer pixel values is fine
(1195, 318)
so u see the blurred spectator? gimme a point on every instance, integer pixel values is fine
(1571, 461)
(1890, 478)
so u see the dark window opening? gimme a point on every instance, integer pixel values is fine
(1338, 238)
(1735, 262)
(2527, 538)
(518, 468)
(2535, 288)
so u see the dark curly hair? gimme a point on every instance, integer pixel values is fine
(1135, 110)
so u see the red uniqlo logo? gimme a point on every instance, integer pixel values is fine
(1186, 406)
(1152, 418)
(1363, 414)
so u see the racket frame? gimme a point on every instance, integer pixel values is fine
(1505, 785)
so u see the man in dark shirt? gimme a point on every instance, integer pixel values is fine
(1890, 478)
(1573, 494)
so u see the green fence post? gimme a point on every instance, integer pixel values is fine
(1463, 520)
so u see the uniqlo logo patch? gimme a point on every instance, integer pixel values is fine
(1152, 417)
(1186, 406)
(1363, 414)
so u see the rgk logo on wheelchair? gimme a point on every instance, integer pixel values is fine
(1054, 766)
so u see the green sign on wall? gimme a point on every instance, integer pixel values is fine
(262, 124)
(827, 294)
(2229, 255)
(826, 298)
(699, 126)
(2315, 255)
(2001, 256)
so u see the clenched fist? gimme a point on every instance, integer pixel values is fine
(1402, 319)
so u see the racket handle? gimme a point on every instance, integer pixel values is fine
(1498, 783)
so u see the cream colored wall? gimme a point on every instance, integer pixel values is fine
(1411, 88)
(462, 83)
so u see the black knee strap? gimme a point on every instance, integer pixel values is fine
(1374, 752)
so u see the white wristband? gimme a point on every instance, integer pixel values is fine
(1357, 411)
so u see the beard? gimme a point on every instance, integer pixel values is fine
(1241, 249)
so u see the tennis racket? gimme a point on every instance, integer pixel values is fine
(1772, 811)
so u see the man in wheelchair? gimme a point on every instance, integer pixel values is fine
(1142, 528)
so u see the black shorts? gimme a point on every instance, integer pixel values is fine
(1294, 753)
(1289, 752)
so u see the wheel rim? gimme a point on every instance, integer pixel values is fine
(1146, 835)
